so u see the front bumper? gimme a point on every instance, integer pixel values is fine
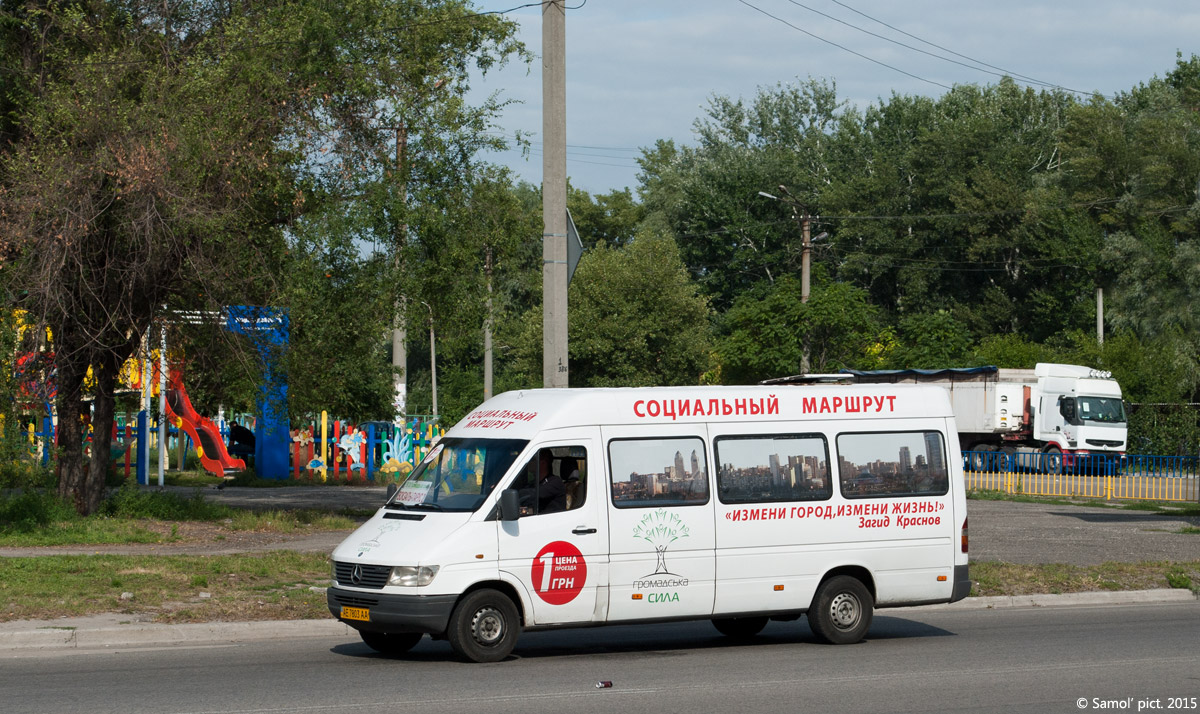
(393, 613)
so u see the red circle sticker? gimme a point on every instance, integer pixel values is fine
(559, 572)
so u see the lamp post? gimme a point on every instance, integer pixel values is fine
(432, 357)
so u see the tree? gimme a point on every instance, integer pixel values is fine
(729, 236)
(766, 331)
(635, 320)
(161, 151)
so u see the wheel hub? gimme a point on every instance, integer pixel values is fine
(845, 610)
(487, 627)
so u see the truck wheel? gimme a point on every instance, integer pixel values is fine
(841, 610)
(390, 643)
(484, 626)
(740, 628)
(1052, 460)
(1008, 459)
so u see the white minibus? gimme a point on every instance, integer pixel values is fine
(553, 508)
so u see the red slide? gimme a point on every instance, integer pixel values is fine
(204, 433)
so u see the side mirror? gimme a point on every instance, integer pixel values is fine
(510, 504)
(391, 491)
(1067, 408)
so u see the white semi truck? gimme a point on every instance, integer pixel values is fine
(1054, 417)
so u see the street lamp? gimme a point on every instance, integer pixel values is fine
(432, 357)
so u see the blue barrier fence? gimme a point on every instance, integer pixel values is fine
(1135, 477)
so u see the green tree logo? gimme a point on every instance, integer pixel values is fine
(660, 529)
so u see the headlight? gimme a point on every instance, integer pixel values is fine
(409, 576)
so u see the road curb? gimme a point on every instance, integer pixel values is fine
(106, 631)
(103, 631)
(1120, 597)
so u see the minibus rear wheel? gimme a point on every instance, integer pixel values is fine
(390, 643)
(841, 611)
(740, 628)
(484, 626)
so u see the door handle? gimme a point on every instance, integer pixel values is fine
(583, 530)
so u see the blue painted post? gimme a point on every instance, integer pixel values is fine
(143, 473)
(47, 439)
(371, 452)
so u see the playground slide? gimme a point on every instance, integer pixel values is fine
(205, 435)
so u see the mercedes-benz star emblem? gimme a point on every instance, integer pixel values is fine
(356, 575)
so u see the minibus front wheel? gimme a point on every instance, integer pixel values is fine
(841, 611)
(484, 626)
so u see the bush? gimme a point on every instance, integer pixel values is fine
(32, 510)
(131, 501)
(23, 475)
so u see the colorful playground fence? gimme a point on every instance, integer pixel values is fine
(340, 451)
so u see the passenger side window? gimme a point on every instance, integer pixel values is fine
(784, 467)
(554, 480)
(890, 464)
(650, 473)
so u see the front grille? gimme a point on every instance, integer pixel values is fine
(372, 577)
(352, 601)
(1103, 442)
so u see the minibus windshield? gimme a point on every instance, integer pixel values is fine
(457, 474)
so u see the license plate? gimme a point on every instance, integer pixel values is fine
(356, 613)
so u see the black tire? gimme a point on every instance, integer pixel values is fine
(484, 626)
(390, 643)
(740, 628)
(977, 460)
(1008, 459)
(841, 611)
(1052, 460)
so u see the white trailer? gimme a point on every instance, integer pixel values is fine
(1054, 417)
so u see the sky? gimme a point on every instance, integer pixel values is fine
(643, 70)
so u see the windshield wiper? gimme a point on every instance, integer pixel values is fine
(429, 506)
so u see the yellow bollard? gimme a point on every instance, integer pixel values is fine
(324, 444)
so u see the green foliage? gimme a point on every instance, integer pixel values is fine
(24, 473)
(31, 510)
(1011, 351)
(133, 501)
(636, 319)
(931, 340)
(765, 333)
(1164, 430)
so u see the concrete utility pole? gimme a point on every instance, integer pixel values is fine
(399, 335)
(554, 194)
(1099, 315)
(800, 213)
(487, 330)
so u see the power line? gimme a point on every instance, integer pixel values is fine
(956, 54)
(974, 66)
(844, 48)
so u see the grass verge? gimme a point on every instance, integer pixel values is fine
(278, 585)
(996, 578)
(132, 516)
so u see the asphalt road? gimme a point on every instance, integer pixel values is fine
(919, 660)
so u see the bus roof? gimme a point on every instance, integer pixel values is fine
(521, 414)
